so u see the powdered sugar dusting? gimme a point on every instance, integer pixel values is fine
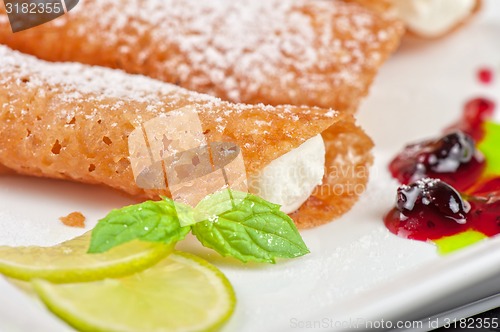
(93, 83)
(240, 50)
(100, 95)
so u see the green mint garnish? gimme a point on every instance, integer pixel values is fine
(149, 221)
(232, 223)
(252, 229)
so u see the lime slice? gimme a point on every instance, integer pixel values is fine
(181, 293)
(69, 261)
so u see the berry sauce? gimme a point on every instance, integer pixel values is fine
(489, 187)
(430, 209)
(427, 209)
(485, 216)
(452, 158)
(476, 112)
(485, 75)
(444, 189)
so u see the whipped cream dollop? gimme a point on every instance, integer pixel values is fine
(432, 18)
(290, 179)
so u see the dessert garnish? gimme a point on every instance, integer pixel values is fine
(158, 289)
(427, 209)
(236, 224)
(70, 262)
(121, 266)
(432, 210)
(451, 185)
(436, 193)
(476, 112)
(180, 293)
(485, 75)
(126, 263)
(452, 158)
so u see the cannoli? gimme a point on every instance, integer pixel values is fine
(73, 121)
(382, 7)
(299, 52)
(426, 18)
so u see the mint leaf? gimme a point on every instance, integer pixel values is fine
(247, 227)
(489, 147)
(220, 202)
(149, 221)
(232, 223)
(184, 212)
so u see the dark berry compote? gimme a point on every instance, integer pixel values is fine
(485, 203)
(427, 209)
(452, 158)
(430, 209)
(447, 188)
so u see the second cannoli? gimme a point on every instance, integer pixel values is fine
(300, 52)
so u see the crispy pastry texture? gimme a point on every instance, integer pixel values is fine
(72, 121)
(384, 7)
(299, 52)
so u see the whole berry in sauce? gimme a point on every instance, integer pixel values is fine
(428, 209)
(448, 153)
(452, 158)
(432, 194)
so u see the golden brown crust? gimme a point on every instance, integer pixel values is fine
(74, 219)
(317, 53)
(71, 121)
(347, 169)
(382, 7)
(4, 170)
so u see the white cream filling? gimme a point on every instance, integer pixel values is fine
(432, 18)
(290, 179)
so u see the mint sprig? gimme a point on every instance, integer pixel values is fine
(149, 221)
(252, 230)
(232, 223)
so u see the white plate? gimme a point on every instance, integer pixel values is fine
(357, 271)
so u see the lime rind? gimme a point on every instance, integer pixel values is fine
(192, 295)
(231, 295)
(69, 261)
